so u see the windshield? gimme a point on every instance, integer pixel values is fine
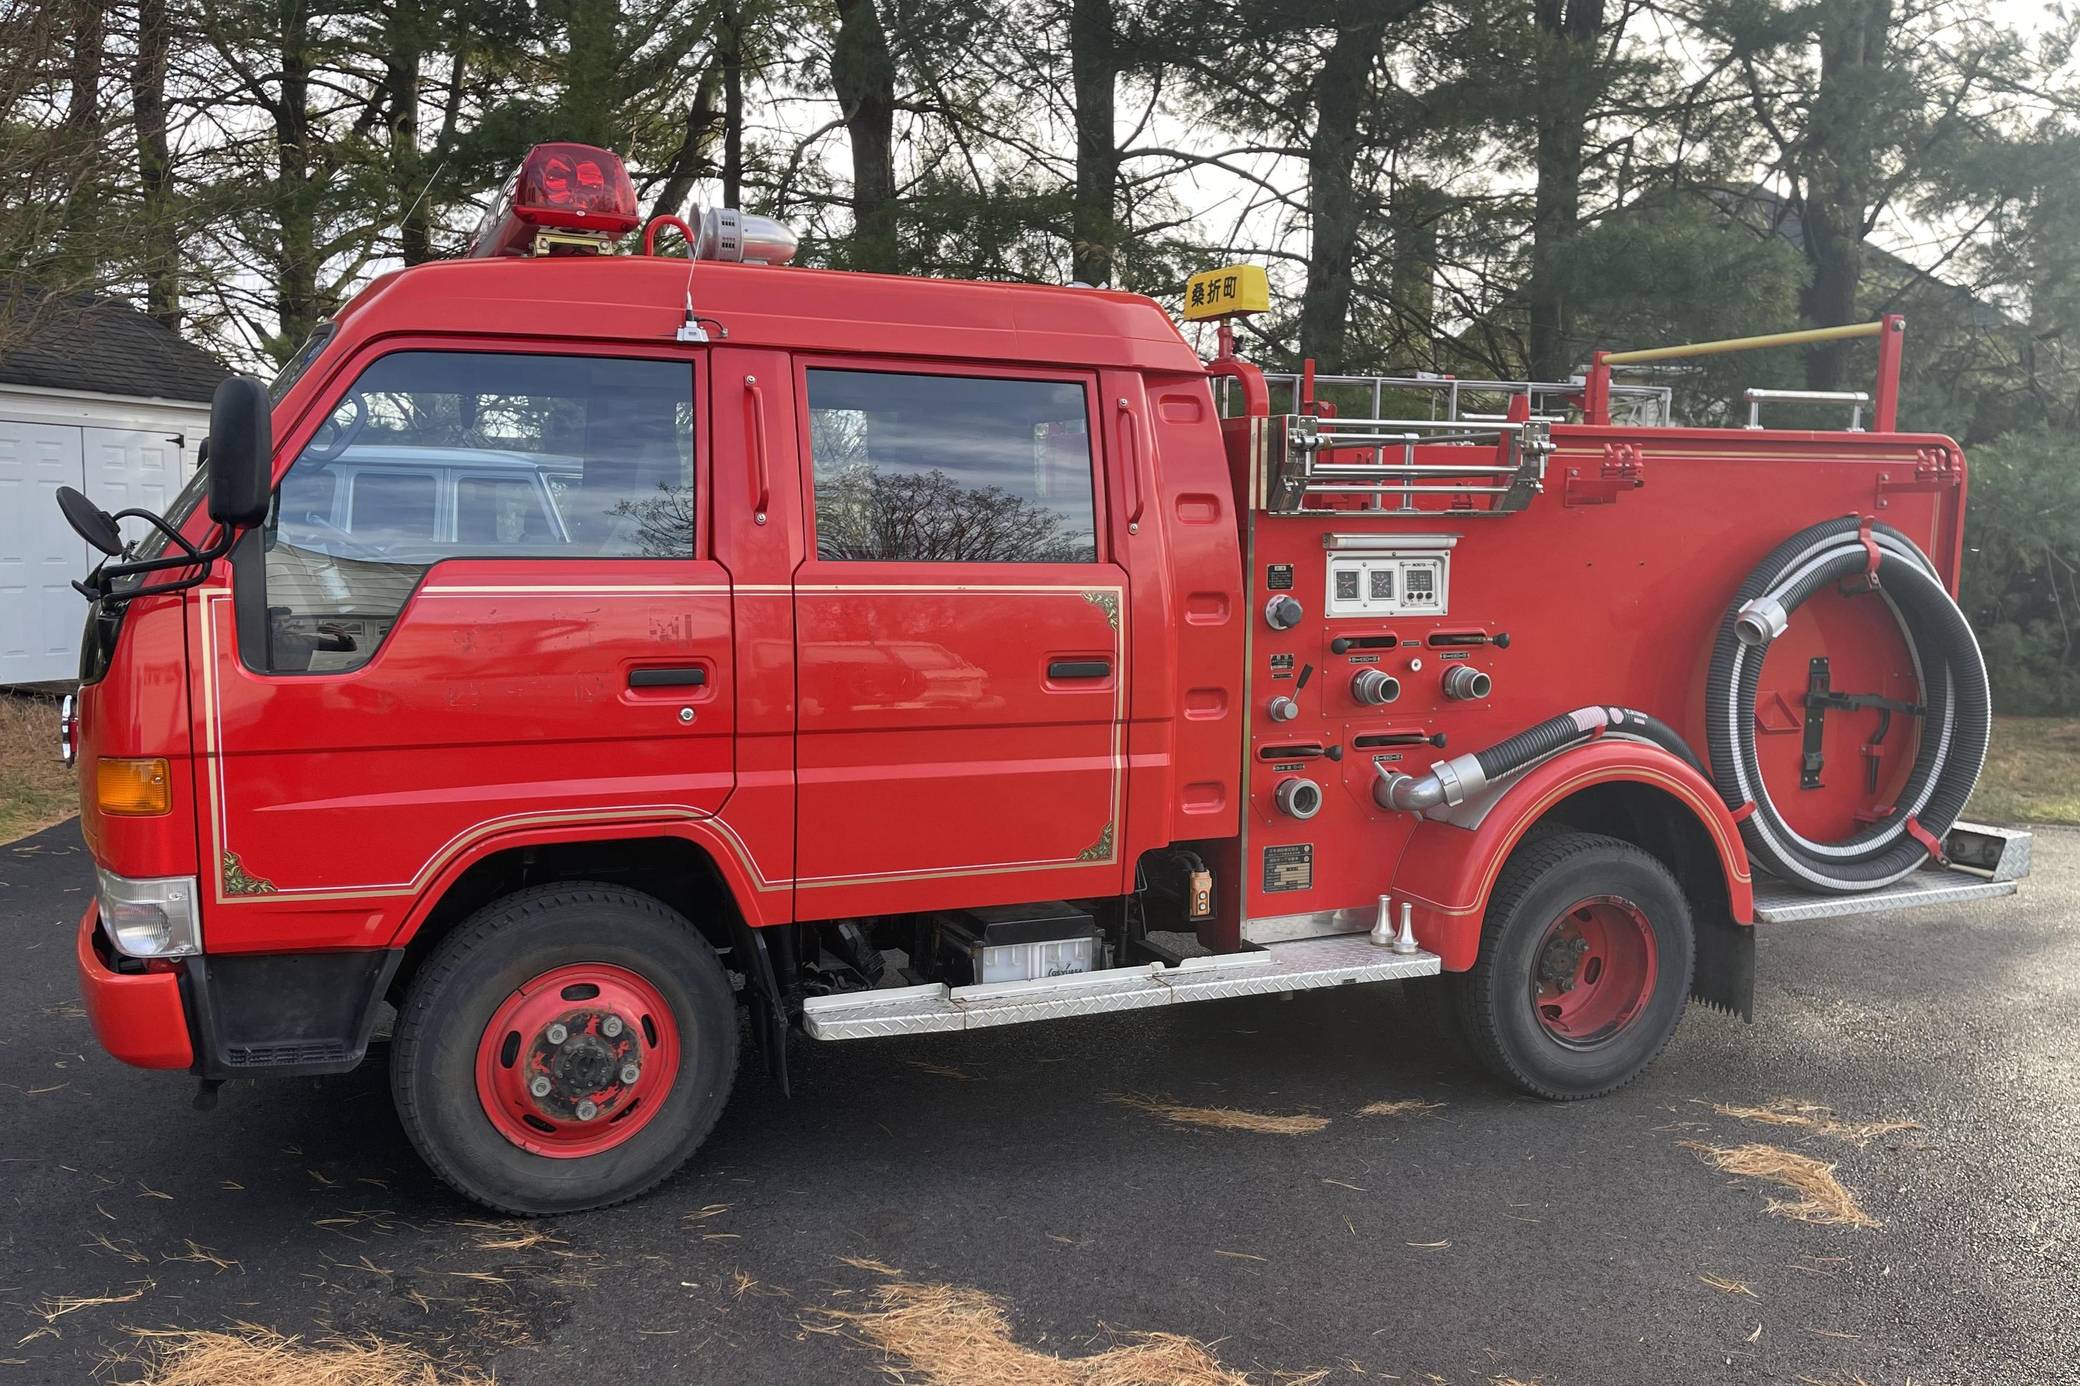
(292, 371)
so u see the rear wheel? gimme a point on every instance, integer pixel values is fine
(565, 1048)
(1584, 967)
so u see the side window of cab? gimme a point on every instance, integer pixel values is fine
(432, 455)
(942, 468)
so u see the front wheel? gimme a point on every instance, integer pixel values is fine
(1584, 966)
(567, 1047)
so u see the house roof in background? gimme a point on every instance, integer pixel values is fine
(82, 342)
(1771, 212)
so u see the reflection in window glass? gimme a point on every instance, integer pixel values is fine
(501, 511)
(950, 469)
(390, 506)
(434, 455)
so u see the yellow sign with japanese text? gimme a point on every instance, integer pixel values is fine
(1217, 293)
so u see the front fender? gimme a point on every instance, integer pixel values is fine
(1448, 869)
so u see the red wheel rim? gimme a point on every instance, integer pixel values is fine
(578, 1060)
(1593, 971)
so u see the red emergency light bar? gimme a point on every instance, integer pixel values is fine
(570, 188)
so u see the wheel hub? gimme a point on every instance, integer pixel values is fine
(587, 1073)
(1594, 971)
(577, 1060)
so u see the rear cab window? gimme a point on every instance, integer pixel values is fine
(932, 468)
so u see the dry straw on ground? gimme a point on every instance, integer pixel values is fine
(1227, 1118)
(1403, 1107)
(253, 1356)
(1811, 1116)
(1821, 1199)
(949, 1335)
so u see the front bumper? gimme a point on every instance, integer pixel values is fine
(138, 1016)
(236, 1015)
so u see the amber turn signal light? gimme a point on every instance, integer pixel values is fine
(132, 787)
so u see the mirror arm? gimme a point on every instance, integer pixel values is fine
(193, 554)
(97, 584)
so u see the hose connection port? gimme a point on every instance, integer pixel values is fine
(1760, 621)
(1373, 687)
(1462, 682)
(1298, 798)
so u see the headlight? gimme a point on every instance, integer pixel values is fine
(151, 918)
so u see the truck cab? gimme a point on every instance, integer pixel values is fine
(608, 643)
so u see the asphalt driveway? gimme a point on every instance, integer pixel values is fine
(1489, 1237)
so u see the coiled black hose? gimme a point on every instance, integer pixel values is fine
(1947, 664)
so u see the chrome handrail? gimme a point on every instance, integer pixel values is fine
(1855, 399)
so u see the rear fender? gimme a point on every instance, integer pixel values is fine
(1449, 868)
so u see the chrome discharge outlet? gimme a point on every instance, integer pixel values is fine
(1405, 941)
(1462, 682)
(1382, 934)
(1373, 687)
(1298, 798)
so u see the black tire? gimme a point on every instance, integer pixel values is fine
(483, 962)
(1545, 876)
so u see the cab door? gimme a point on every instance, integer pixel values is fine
(481, 613)
(960, 642)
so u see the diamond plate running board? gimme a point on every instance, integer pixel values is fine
(1298, 966)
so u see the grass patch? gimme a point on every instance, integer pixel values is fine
(1401, 1107)
(36, 790)
(2032, 772)
(950, 1335)
(1227, 1118)
(1821, 1196)
(257, 1357)
(1811, 1116)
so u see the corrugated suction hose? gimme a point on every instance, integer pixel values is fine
(1947, 665)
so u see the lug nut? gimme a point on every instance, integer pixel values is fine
(611, 1026)
(587, 1110)
(539, 1087)
(558, 1033)
(629, 1073)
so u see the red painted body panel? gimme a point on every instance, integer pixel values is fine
(1447, 872)
(878, 738)
(1613, 603)
(140, 708)
(137, 1018)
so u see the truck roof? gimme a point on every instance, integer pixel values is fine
(635, 298)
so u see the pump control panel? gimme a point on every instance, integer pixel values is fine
(1402, 580)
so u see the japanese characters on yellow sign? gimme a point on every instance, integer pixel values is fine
(1219, 292)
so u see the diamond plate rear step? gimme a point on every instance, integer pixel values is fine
(1986, 863)
(1299, 966)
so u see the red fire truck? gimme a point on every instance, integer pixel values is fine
(575, 647)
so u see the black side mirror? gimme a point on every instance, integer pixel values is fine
(241, 453)
(90, 523)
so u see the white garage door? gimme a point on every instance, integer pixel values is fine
(40, 614)
(121, 469)
(129, 469)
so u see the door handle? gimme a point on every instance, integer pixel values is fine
(693, 676)
(1078, 668)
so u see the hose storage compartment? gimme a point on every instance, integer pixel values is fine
(1955, 708)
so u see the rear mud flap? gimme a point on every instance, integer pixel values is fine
(1725, 975)
(769, 1024)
